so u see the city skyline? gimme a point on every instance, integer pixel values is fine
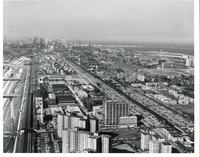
(100, 20)
(99, 76)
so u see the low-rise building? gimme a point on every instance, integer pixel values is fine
(128, 121)
(65, 100)
(39, 109)
(141, 77)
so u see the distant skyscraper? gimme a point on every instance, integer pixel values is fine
(189, 61)
(36, 40)
(5, 41)
(46, 41)
(113, 111)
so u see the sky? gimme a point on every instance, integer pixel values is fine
(109, 20)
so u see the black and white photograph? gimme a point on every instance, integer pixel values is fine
(100, 76)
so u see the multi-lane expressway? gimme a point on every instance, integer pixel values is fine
(82, 72)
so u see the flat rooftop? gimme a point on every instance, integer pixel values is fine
(62, 87)
(65, 99)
